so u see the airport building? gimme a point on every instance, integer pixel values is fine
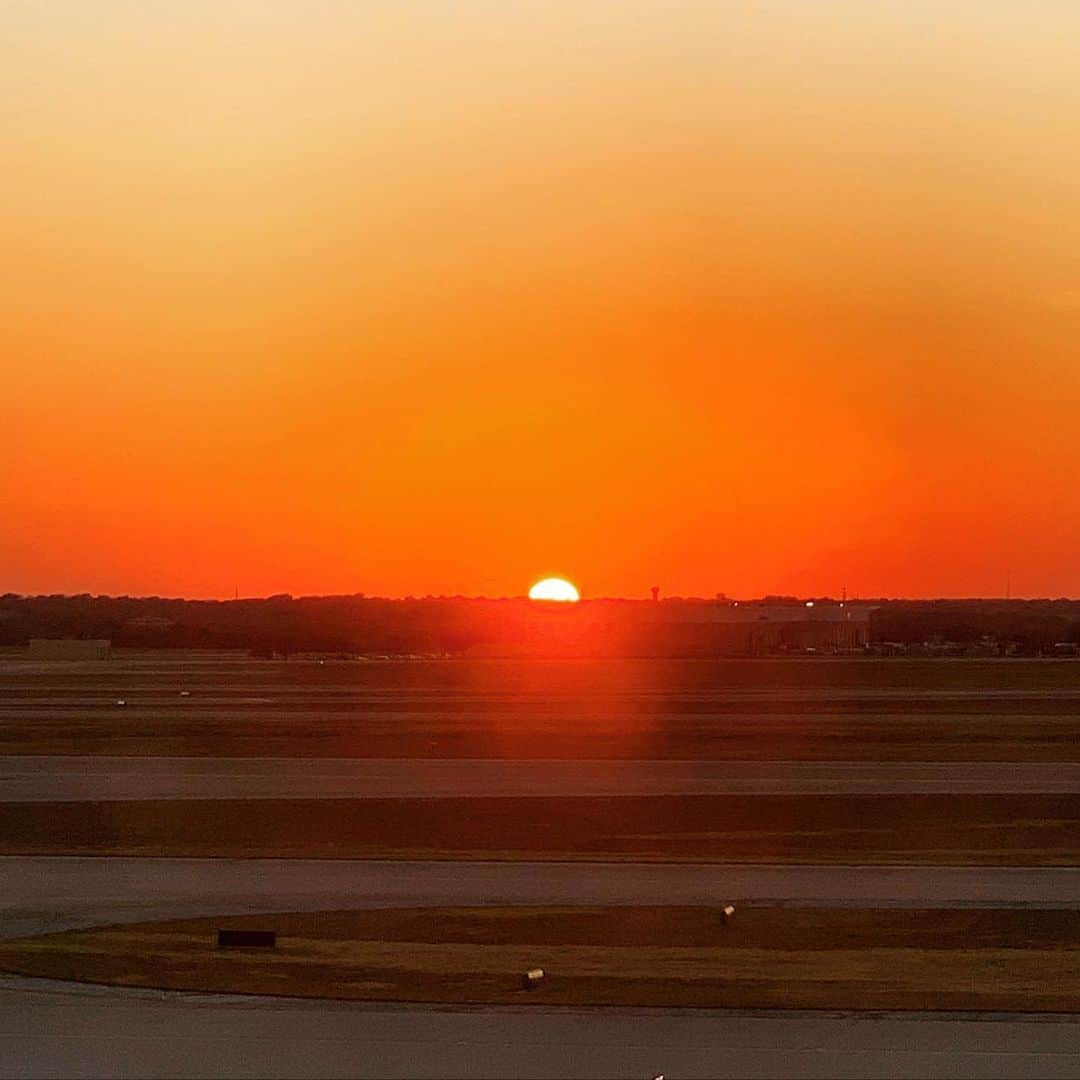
(70, 649)
(703, 628)
(696, 629)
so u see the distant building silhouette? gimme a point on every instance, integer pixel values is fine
(70, 649)
(711, 629)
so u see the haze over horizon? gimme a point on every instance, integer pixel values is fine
(424, 298)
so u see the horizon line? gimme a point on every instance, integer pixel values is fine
(775, 598)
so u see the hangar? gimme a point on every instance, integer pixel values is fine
(710, 628)
(70, 649)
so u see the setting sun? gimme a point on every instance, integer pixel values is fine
(554, 588)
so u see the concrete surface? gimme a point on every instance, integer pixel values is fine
(56, 1030)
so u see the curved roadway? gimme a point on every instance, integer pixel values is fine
(39, 894)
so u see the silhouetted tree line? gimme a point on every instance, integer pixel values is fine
(1030, 626)
(358, 624)
(279, 624)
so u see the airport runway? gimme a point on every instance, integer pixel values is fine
(57, 779)
(39, 894)
(56, 1030)
(60, 1029)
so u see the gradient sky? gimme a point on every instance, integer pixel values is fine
(431, 297)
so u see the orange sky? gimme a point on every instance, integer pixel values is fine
(421, 297)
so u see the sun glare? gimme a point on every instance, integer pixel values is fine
(554, 588)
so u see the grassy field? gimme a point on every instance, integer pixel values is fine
(1030, 830)
(679, 956)
(375, 731)
(862, 710)
(169, 668)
